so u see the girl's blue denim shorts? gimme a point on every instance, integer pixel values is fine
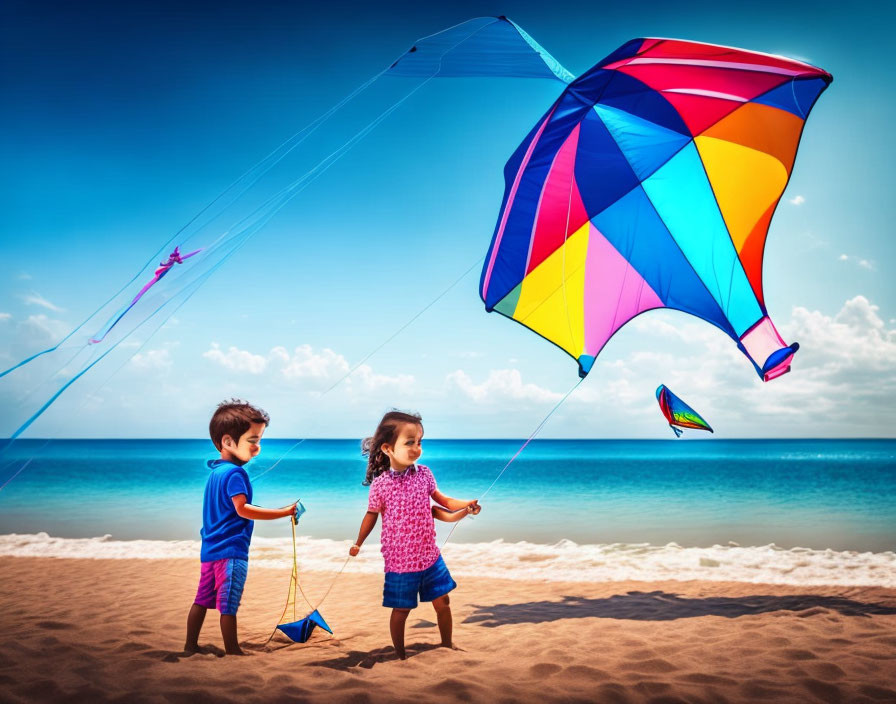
(401, 588)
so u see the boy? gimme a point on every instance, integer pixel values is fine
(236, 428)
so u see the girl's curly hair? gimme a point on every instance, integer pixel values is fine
(386, 433)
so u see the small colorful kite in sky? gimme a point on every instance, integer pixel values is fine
(678, 413)
(651, 183)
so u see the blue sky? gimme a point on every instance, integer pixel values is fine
(127, 119)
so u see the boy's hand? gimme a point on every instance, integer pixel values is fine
(354, 550)
(290, 511)
(474, 507)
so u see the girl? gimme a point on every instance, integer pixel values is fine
(401, 490)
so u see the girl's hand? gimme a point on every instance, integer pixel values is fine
(474, 507)
(289, 510)
(354, 550)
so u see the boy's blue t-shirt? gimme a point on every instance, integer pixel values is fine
(225, 534)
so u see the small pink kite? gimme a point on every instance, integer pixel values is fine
(164, 267)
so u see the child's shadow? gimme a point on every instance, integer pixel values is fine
(359, 658)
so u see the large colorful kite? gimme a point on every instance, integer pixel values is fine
(651, 183)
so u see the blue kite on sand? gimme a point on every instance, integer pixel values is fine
(301, 630)
(298, 630)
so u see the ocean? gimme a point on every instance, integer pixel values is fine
(779, 511)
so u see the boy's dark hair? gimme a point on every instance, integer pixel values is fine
(233, 418)
(386, 433)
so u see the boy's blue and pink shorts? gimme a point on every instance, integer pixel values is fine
(401, 588)
(221, 584)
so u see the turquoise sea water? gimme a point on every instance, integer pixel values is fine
(838, 494)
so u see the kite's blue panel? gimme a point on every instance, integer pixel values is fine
(484, 46)
(797, 97)
(646, 145)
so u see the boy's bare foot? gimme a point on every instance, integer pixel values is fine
(452, 646)
(191, 648)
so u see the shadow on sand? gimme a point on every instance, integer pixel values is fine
(367, 659)
(662, 606)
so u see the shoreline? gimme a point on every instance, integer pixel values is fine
(563, 561)
(101, 630)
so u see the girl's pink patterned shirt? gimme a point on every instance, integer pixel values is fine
(408, 535)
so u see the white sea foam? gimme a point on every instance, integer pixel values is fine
(563, 561)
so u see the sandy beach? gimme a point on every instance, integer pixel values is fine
(112, 630)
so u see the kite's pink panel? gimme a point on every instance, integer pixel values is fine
(614, 292)
(760, 342)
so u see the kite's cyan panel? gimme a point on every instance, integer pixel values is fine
(651, 183)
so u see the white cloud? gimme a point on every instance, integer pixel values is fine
(43, 328)
(24, 276)
(152, 359)
(5, 316)
(858, 261)
(306, 368)
(796, 200)
(501, 385)
(236, 359)
(35, 299)
(320, 370)
(364, 378)
(304, 363)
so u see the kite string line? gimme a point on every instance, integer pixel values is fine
(519, 451)
(285, 197)
(345, 564)
(434, 301)
(289, 191)
(370, 354)
(270, 207)
(304, 180)
(33, 390)
(308, 129)
(197, 282)
(293, 580)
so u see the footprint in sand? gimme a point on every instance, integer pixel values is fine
(651, 667)
(796, 654)
(879, 693)
(544, 669)
(55, 625)
(703, 678)
(585, 671)
(823, 690)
